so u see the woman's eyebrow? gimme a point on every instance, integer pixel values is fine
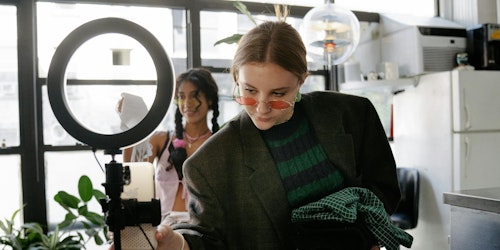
(277, 89)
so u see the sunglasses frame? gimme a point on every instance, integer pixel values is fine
(270, 103)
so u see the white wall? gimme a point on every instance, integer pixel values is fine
(470, 12)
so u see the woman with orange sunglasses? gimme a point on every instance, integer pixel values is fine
(254, 184)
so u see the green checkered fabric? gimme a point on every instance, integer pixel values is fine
(345, 205)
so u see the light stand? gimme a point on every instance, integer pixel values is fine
(112, 207)
(331, 69)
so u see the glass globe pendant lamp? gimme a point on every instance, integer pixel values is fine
(331, 35)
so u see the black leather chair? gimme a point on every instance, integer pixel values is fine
(406, 215)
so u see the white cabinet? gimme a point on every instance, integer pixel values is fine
(476, 100)
(477, 160)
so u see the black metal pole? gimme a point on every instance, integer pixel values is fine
(332, 72)
(113, 206)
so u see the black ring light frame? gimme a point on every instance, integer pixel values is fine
(56, 83)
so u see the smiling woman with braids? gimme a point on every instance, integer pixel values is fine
(196, 94)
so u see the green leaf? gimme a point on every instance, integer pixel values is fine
(7, 227)
(230, 39)
(90, 231)
(66, 200)
(54, 239)
(4, 228)
(105, 232)
(99, 195)
(98, 240)
(16, 212)
(85, 188)
(68, 220)
(70, 242)
(243, 9)
(86, 225)
(95, 218)
(33, 236)
(33, 228)
(236, 37)
(83, 210)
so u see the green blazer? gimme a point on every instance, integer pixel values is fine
(237, 200)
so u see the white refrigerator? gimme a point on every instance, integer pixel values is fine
(448, 126)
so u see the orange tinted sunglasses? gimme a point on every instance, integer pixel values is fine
(250, 101)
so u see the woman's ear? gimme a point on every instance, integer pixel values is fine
(304, 77)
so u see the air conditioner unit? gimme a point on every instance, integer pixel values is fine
(421, 45)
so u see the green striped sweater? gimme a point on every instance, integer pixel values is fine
(305, 170)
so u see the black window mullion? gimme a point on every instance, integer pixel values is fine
(32, 158)
(193, 34)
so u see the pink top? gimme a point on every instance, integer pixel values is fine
(167, 182)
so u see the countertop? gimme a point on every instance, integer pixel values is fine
(486, 199)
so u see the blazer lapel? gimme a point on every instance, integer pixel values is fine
(265, 180)
(331, 135)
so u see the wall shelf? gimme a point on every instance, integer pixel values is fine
(388, 85)
(380, 93)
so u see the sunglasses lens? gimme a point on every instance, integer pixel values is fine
(249, 101)
(279, 104)
(245, 100)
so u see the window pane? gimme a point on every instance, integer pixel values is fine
(227, 107)
(234, 23)
(9, 124)
(65, 169)
(382, 100)
(104, 57)
(57, 20)
(414, 8)
(10, 186)
(94, 59)
(313, 83)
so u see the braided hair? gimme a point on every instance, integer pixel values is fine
(204, 82)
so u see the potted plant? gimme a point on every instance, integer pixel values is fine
(66, 235)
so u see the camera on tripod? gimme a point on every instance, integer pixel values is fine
(120, 213)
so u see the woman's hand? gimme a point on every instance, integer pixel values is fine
(168, 239)
(375, 248)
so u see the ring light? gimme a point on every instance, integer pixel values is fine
(56, 83)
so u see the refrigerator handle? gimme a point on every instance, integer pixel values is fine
(467, 155)
(466, 113)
